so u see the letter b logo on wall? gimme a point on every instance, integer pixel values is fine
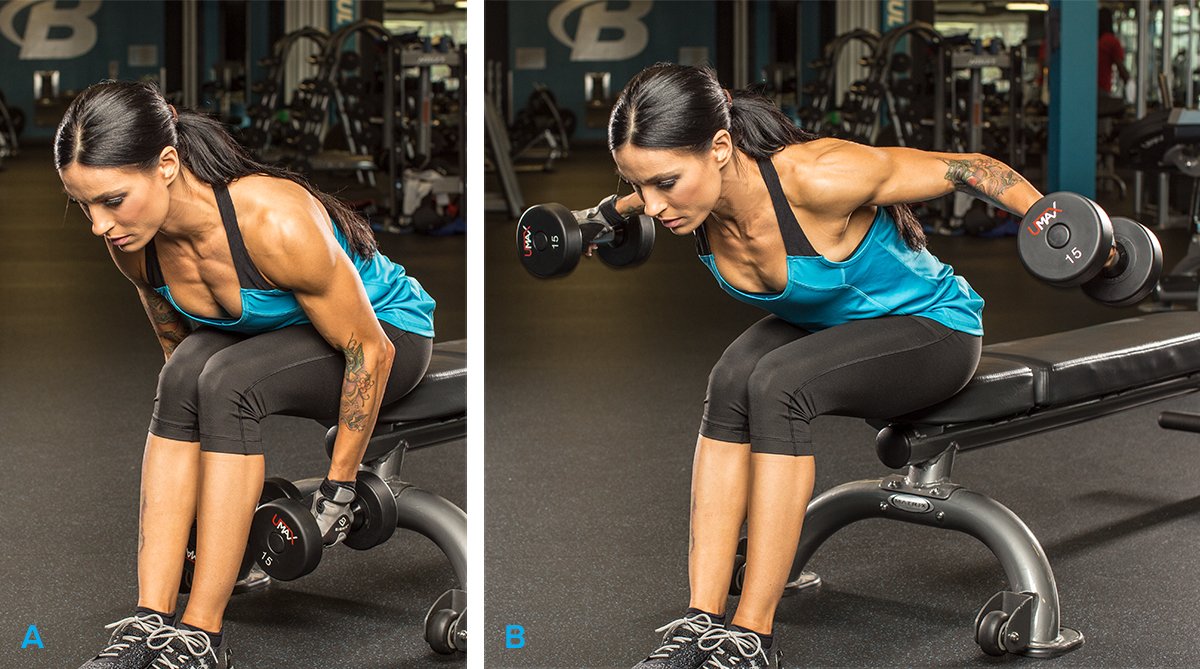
(595, 16)
(44, 16)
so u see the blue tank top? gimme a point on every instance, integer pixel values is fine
(396, 298)
(883, 277)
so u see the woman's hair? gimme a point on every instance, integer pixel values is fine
(680, 107)
(128, 123)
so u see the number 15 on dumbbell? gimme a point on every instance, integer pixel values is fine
(551, 238)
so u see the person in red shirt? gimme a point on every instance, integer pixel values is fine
(1110, 54)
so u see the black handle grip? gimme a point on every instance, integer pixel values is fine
(1179, 420)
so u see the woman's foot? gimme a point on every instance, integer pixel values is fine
(680, 645)
(188, 649)
(127, 647)
(735, 648)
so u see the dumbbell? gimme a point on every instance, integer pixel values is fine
(286, 541)
(1065, 239)
(551, 238)
(273, 488)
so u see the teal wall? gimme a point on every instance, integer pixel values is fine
(88, 36)
(667, 25)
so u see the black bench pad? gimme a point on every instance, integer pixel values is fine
(1073, 366)
(999, 388)
(442, 392)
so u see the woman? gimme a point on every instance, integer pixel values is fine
(865, 321)
(267, 297)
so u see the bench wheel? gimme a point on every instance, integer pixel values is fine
(988, 632)
(446, 623)
(438, 631)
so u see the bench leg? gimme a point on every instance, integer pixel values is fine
(952, 508)
(438, 519)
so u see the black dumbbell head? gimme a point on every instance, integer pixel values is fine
(285, 539)
(189, 563)
(374, 513)
(633, 243)
(1064, 239)
(276, 487)
(1137, 270)
(549, 240)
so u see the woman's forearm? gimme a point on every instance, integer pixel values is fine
(628, 205)
(170, 326)
(367, 370)
(992, 181)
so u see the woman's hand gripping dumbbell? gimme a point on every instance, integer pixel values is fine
(1067, 240)
(288, 535)
(331, 508)
(551, 238)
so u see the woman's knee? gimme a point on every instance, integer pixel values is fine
(780, 412)
(727, 382)
(223, 387)
(178, 380)
(776, 390)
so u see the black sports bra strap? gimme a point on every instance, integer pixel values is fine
(702, 248)
(248, 274)
(794, 241)
(154, 275)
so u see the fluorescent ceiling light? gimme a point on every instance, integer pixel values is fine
(1027, 7)
(460, 4)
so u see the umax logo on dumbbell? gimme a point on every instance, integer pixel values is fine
(283, 528)
(527, 236)
(1043, 220)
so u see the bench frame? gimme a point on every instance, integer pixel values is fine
(926, 495)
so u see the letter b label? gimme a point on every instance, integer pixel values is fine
(514, 636)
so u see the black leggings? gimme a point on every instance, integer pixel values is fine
(776, 377)
(218, 385)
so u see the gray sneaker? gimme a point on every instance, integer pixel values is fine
(680, 644)
(188, 649)
(734, 649)
(127, 647)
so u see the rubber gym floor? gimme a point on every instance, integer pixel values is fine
(79, 363)
(594, 387)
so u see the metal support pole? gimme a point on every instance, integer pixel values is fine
(1190, 61)
(799, 61)
(741, 43)
(246, 74)
(1141, 88)
(191, 54)
(1164, 182)
(391, 53)
(975, 120)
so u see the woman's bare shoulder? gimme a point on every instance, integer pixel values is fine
(820, 170)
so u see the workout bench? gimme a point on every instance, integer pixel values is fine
(1020, 388)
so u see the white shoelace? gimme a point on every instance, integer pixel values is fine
(146, 624)
(196, 642)
(698, 625)
(748, 645)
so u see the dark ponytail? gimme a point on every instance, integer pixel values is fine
(127, 123)
(680, 107)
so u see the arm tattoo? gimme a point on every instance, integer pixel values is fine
(984, 178)
(169, 324)
(356, 388)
